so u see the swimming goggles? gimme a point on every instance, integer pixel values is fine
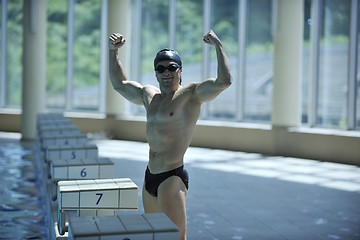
(171, 68)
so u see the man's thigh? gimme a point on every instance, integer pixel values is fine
(171, 200)
(150, 202)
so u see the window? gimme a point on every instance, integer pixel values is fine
(189, 21)
(74, 55)
(86, 55)
(306, 61)
(154, 36)
(2, 61)
(76, 31)
(151, 17)
(11, 54)
(193, 19)
(259, 61)
(56, 54)
(333, 64)
(224, 22)
(358, 70)
(330, 89)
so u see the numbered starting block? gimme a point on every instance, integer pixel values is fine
(51, 130)
(95, 197)
(75, 151)
(52, 127)
(151, 226)
(77, 169)
(70, 152)
(63, 140)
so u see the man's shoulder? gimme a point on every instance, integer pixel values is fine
(190, 86)
(150, 89)
(188, 90)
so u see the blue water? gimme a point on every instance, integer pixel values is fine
(22, 213)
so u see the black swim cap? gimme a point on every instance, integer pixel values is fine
(167, 54)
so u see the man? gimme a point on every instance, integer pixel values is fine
(172, 112)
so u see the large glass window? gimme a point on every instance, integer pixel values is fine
(86, 55)
(259, 61)
(245, 28)
(56, 54)
(2, 69)
(73, 43)
(154, 36)
(14, 53)
(358, 75)
(193, 18)
(333, 64)
(189, 38)
(306, 62)
(225, 24)
(328, 91)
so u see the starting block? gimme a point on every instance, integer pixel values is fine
(151, 226)
(60, 140)
(74, 151)
(53, 128)
(78, 169)
(92, 197)
(68, 139)
(58, 130)
(70, 152)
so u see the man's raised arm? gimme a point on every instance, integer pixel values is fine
(211, 88)
(132, 91)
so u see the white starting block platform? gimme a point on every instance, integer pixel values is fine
(63, 126)
(43, 124)
(48, 123)
(63, 140)
(60, 140)
(54, 130)
(50, 115)
(58, 130)
(78, 169)
(74, 151)
(90, 196)
(151, 226)
(69, 152)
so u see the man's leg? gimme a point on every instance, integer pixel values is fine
(171, 200)
(150, 202)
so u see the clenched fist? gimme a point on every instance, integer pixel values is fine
(116, 41)
(211, 38)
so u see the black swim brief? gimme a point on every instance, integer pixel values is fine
(153, 181)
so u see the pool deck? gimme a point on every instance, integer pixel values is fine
(236, 195)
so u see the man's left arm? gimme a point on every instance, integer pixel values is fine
(211, 88)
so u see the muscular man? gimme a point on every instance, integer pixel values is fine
(172, 112)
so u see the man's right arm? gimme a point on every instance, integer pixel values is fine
(132, 91)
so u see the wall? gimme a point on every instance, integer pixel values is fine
(319, 144)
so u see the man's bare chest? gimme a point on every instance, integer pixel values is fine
(165, 110)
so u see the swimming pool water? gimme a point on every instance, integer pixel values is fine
(22, 213)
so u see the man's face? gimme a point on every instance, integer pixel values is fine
(168, 74)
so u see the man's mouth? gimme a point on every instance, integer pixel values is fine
(167, 80)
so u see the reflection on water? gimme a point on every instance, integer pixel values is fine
(21, 209)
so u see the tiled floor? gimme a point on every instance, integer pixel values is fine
(236, 195)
